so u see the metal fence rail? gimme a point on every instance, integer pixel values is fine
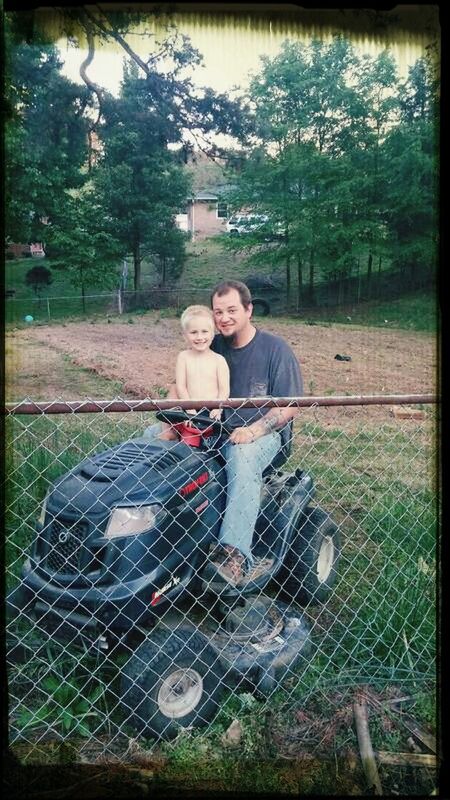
(116, 631)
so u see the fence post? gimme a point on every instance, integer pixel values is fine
(48, 309)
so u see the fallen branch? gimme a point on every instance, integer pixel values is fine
(407, 721)
(423, 738)
(365, 744)
(407, 759)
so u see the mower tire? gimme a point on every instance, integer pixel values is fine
(261, 308)
(310, 566)
(172, 681)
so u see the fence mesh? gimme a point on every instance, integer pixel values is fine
(118, 629)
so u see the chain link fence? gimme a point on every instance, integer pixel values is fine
(116, 630)
(341, 290)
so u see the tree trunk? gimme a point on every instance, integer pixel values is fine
(358, 297)
(83, 298)
(137, 267)
(369, 274)
(299, 282)
(311, 277)
(163, 272)
(90, 152)
(288, 282)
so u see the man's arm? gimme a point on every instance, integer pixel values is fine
(286, 381)
(275, 419)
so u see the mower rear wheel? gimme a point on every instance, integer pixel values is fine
(171, 681)
(310, 566)
(261, 308)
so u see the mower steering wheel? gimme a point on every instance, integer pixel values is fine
(201, 421)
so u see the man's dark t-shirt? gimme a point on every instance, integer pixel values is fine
(265, 367)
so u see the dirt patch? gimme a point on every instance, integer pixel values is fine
(138, 360)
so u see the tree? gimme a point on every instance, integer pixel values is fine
(412, 198)
(139, 183)
(38, 278)
(307, 116)
(87, 254)
(345, 157)
(45, 136)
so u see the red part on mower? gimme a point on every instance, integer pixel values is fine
(191, 436)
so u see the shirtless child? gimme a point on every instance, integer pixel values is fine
(201, 374)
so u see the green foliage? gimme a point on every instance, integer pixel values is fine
(45, 138)
(344, 163)
(415, 312)
(138, 184)
(87, 254)
(412, 193)
(67, 707)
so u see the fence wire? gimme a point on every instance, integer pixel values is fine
(117, 631)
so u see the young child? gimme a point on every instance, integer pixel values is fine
(201, 374)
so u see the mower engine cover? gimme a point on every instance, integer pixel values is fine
(125, 530)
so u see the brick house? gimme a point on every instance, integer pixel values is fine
(205, 215)
(19, 250)
(206, 212)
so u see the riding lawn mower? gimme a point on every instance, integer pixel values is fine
(120, 563)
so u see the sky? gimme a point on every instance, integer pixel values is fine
(232, 51)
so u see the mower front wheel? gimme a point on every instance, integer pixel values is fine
(310, 567)
(173, 680)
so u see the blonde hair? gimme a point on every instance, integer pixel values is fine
(196, 311)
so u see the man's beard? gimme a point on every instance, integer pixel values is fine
(229, 338)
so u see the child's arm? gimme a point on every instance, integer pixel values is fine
(223, 385)
(181, 379)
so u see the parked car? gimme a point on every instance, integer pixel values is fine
(245, 223)
(250, 223)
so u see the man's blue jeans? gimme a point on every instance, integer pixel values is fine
(245, 464)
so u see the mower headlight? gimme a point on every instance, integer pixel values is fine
(129, 521)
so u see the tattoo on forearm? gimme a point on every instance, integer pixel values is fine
(270, 423)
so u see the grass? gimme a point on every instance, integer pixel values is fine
(379, 485)
(415, 312)
(382, 609)
(378, 626)
(208, 261)
(39, 450)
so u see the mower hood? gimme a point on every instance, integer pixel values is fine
(136, 471)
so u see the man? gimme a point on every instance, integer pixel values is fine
(261, 365)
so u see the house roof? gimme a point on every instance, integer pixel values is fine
(205, 196)
(215, 194)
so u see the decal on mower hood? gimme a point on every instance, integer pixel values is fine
(156, 596)
(193, 485)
